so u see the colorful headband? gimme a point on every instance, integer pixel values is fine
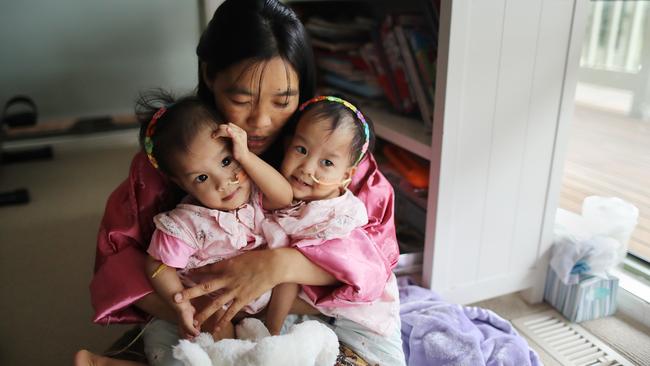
(355, 110)
(148, 142)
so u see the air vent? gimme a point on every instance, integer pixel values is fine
(569, 344)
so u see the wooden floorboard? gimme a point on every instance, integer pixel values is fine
(609, 155)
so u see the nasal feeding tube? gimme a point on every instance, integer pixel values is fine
(239, 177)
(324, 183)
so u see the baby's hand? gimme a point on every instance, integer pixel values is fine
(185, 312)
(239, 140)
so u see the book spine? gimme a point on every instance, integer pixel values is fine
(389, 77)
(412, 73)
(424, 54)
(397, 66)
(371, 57)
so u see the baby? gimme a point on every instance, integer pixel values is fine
(331, 138)
(221, 217)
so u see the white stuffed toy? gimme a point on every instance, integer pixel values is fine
(307, 343)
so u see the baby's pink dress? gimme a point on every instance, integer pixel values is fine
(313, 223)
(323, 219)
(192, 236)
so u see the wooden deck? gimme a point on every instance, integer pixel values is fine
(609, 155)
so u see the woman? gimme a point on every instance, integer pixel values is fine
(256, 79)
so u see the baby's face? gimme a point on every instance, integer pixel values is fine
(316, 151)
(208, 172)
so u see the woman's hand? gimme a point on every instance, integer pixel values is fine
(241, 280)
(246, 277)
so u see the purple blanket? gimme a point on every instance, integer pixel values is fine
(435, 332)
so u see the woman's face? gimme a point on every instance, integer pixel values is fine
(259, 97)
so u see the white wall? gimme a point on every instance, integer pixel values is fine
(81, 58)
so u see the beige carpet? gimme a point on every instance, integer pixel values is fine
(620, 332)
(47, 251)
(623, 334)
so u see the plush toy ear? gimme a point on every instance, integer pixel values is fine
(251, 329)
(191, 353)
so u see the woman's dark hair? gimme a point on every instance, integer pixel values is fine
(176, 127)
(255, 30)
(341, 116)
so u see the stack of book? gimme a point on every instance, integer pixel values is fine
(336, 48)
(409, 49)
(390, 59)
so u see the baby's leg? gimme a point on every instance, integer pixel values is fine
(301, 307)
(86, 358)
(226, 332)
(282, 300)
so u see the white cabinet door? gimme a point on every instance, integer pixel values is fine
(506, 66)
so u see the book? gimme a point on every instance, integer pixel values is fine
(335, 46)
(424, 51)
(379, 68)
(425, 104)
(356, 30)
(396, 66)
(364, 89)
(432, 15)
(341, 66)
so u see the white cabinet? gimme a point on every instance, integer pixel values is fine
(504, 88)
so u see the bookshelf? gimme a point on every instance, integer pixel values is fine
(407, 133)
(503, 85)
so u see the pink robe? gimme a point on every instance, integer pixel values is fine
(362, 262)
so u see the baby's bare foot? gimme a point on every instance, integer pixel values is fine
(86, 358)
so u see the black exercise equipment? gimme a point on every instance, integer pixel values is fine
(19, 111)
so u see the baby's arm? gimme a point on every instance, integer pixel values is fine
(276, 189)
(166, 283)
(282, 299)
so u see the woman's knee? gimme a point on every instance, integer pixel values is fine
(159, 337)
